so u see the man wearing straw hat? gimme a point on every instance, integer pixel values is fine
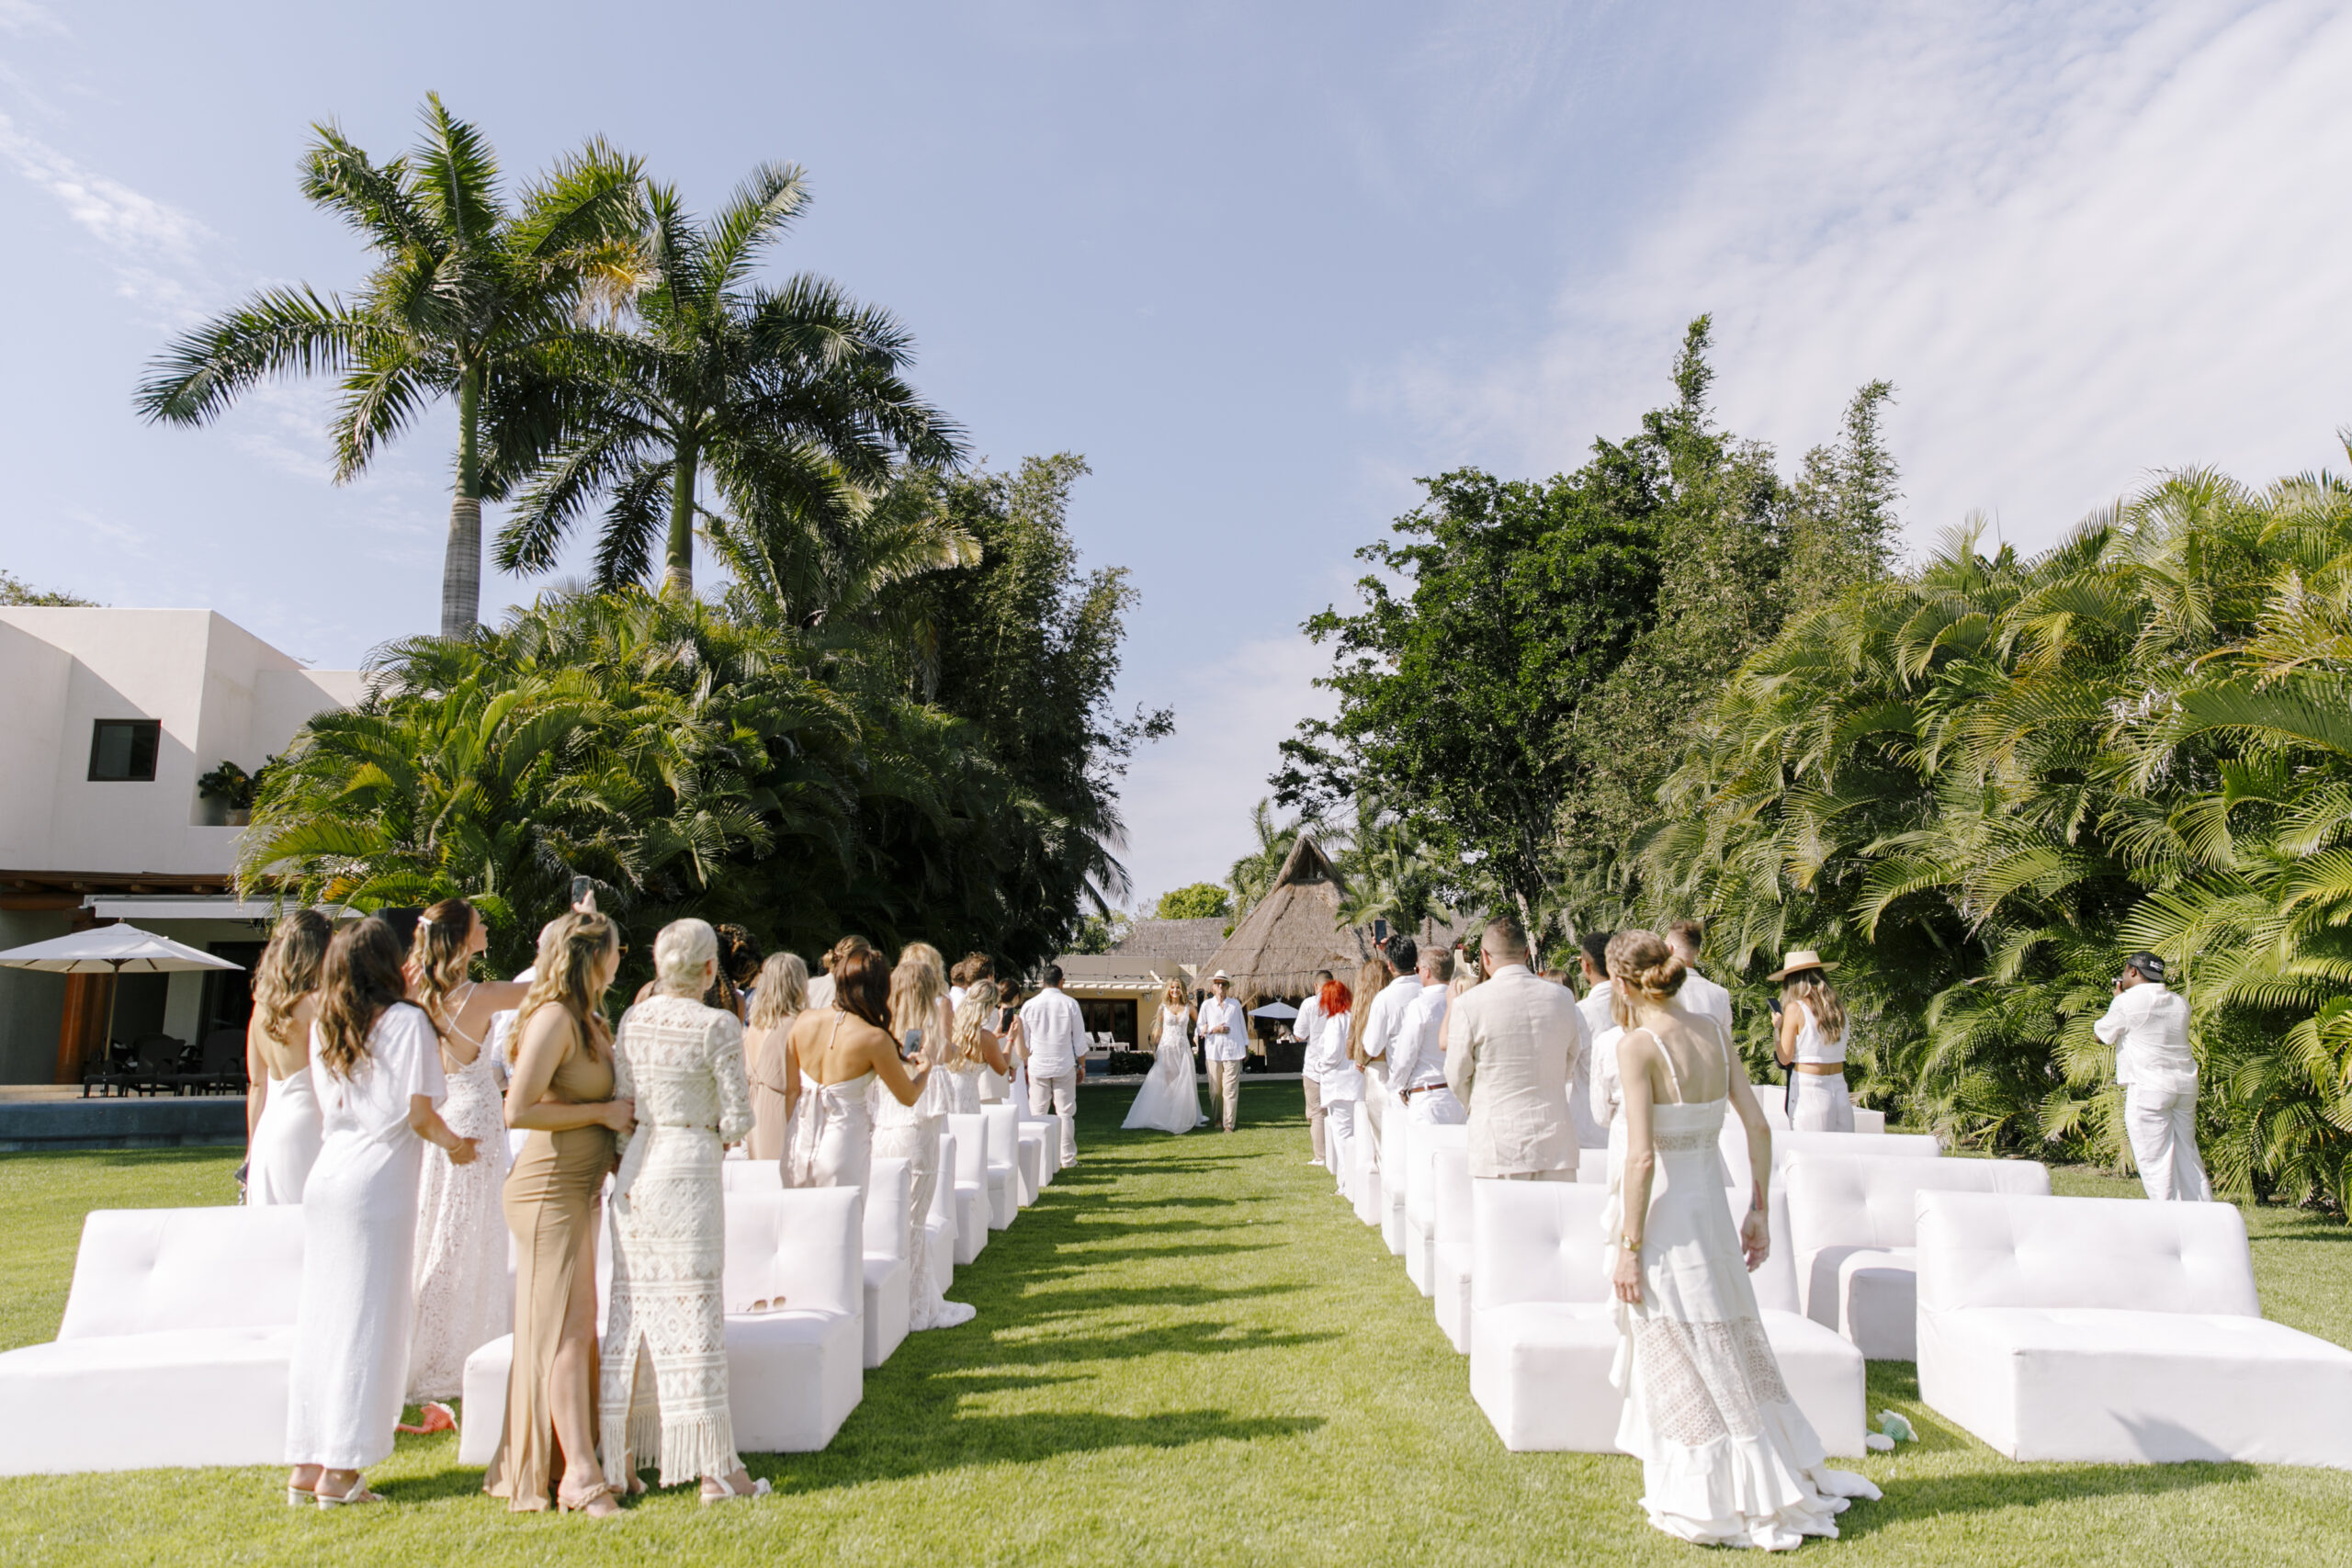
(1225, 1041)
(2148, 1026)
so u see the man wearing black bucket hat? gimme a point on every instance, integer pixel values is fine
(2148, 1026)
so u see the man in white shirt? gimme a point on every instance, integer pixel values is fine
(1052, 1028)
(1384, 1021)
(1306, 1026)
(1513, 1039)
(2148, 1026)
(1416, 1059)
(1699, 994)
(1225, 1042)
(1592, 1094)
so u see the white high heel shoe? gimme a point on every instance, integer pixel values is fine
(727, 1493)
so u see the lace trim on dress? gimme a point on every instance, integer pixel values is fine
(1704, 1380)
(1683, 1142)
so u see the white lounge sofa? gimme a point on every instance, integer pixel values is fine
(2114, 1330)
(939, 1228)
(1543, 1329)
(1853, 1227)
(794, 1374)
(974, 1207)
(1450, 1237)
(1001, 1125)
(1420, 1202)
(1395, 1159)
(890, 1274)
(1787, 1147)
(1028, 1146)
(173, 1349)
(1364, 1173)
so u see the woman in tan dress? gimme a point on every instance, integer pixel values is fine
(561, 1089)
(780, 996)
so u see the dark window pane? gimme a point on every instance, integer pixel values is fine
(124, 748)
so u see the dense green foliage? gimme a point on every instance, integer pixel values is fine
(1198, 901)
(803, 775)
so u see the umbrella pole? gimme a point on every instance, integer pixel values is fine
(114, 991)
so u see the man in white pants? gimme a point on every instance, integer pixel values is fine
(1384, 1021)
(1053, 1027)
(2148, 1026)
(1225, 1041)
(1416, 1059)
(1308, 1024)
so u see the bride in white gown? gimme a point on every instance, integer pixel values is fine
(1170, 1098)
(1727, 1457)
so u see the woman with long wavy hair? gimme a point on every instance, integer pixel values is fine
(560, 1089)
(918, 1018)
(845, 1049)
(1809, 1040)
(281, 1103)
(779, 996)
(973, 1049)
(463, 1300)
(378, 1070)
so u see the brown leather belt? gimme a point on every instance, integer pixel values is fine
(1424, 1088)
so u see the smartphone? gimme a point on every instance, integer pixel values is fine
(583, 892)
(1775, 1005)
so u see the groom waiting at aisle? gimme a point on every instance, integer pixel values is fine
(1514, 1038)
(1225, 1041)
(1053, 1027)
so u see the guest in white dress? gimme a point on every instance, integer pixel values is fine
(845, 1049)
(1811, 1041)
(974, 1052)
(378, 1069)
(464, 1299)
(281, 1104)
(912, 1132)
(665, 1330)
(1343, 1056)
(1727, 1457)
(1170, 1100)
(778, 997)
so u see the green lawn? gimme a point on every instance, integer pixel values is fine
(1188, 1352)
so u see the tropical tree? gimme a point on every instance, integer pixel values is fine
(1193, 901)
(471, 293)
(791, 400)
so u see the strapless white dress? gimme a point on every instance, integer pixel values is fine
(833, 1140)
(286, 1141)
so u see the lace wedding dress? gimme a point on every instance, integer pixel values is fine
(665, 1348)
(1727, 1457)
(1170, 1100)
(463, 1297)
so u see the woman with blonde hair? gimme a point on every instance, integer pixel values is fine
(665, 1331)
(560, 1089)
(919, 1018)
(973, 1050)
(378, 1078)
(461, 1290)
(1811, 1039)
(282, 1127)
(1727, 1457)
(779, 996)
(1170, 1100)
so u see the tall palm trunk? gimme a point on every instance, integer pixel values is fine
(461, 565)
(678, 576)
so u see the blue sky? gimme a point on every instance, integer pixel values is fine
(1260, 265)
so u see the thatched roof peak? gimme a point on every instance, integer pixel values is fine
(1307, 863)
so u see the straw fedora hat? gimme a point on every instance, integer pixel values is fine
(1799, 959)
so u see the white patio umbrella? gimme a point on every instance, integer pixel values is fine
(1274, 1009)
(111, 949)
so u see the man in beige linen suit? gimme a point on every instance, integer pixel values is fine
(1514, 1038)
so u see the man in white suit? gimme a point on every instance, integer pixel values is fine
(1513, 1039)
(1053, 1028)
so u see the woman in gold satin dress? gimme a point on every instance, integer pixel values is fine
(561, 1091)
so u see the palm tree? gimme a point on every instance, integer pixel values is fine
(788, 397)
(467, 296)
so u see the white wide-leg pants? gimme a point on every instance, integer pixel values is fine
(2163, 1129)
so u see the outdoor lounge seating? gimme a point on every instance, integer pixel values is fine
(1543, 1331)
(2085, 1328)
(1854, 1228)
(1002, 1124)
(173, 1351)
(1787, 1147)
(970, 1173)
(1450, 1230)
(794, 1373)
(1395, 1146)
(1420, 1202)
(889, 1273)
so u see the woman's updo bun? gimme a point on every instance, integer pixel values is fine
(1641, 965)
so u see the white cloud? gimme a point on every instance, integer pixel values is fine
(151, 245)
(1187, 798)
(23, 16)
(2085, 243)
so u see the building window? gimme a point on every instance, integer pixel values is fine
(124, 748)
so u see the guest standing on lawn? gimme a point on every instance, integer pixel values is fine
(844, 1050)
(1225, 1042)
(1053, 1030)
(665, 1374)
(2148, 1025)
(378, 1068)
(462, 1298)
(1514, 1037)
(1310, 1019)
(779, 997)
(1812, 1039)
(1727, 1457)
(1400, 956)
(1416, 1059)
(974, 1052)
(282, 1127)
(559, 1088)
(918, 1018)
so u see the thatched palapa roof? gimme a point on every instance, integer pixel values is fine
(1292, 931)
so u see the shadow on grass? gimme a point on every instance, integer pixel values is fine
(1017, 1440)
(1998, 1490)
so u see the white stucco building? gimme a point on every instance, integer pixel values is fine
(107, 718)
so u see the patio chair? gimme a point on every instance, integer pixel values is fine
(158, 1058)
(219, 1066)
(117, 1072)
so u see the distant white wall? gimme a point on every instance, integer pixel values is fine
(220, 693)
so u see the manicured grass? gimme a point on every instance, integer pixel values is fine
(1188, 1352)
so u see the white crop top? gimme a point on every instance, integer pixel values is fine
(1812, 1046)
